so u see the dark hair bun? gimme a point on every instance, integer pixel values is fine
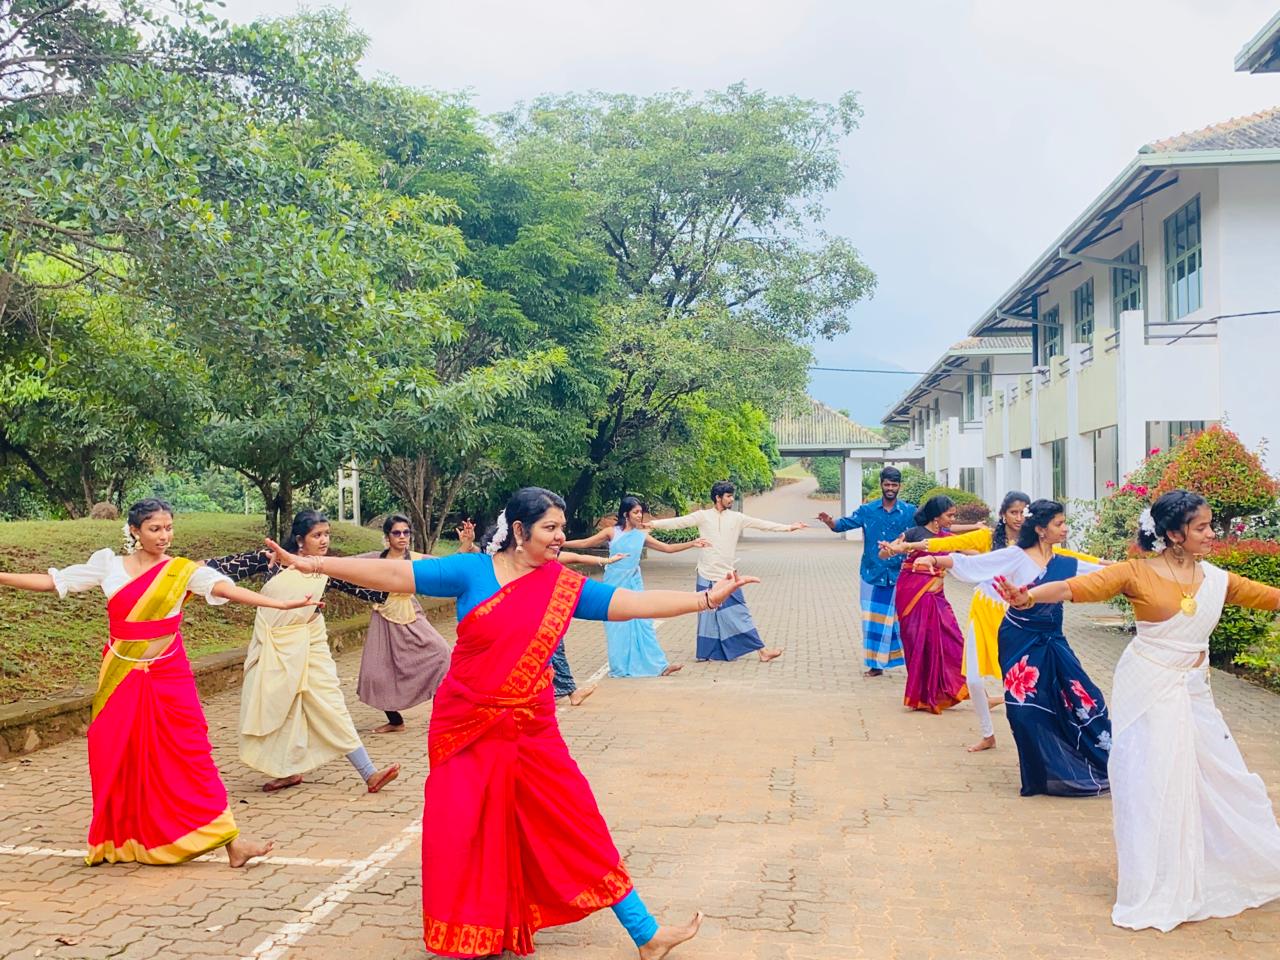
(1171, 511)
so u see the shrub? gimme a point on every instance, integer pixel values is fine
(827, 471)
(1215, 464)
(1240, 629)
(914, 484)
(1116, 526)
(104, 511)
(683, 535)
(977, 512)
(955, 493)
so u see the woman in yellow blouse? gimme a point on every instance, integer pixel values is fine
(1196, 836)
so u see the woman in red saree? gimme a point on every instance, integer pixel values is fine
(157, 796)
(931, 639)
(513, 840)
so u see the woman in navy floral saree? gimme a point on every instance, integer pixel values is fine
(1057, 714)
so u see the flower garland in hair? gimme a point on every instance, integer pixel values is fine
(1147, 524)
(130, 541)
(499, 535)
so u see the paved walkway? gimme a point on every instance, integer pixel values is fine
(796, 803)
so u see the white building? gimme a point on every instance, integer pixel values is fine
(1156, 312)
(943, 411)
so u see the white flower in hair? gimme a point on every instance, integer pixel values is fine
(499, 535)
(130, 541)
(1147, 524)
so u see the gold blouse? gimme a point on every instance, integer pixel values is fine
(1156, 598)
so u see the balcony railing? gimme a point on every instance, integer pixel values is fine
(1170, 332)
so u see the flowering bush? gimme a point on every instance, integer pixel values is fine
(1215, 464)
(1116, 524)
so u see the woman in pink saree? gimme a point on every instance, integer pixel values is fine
(931, 638)
(512, 838)
(157, 796)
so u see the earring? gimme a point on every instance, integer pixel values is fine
(519, 546)
(1178, 551)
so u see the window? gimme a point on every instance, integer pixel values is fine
(971, 480)
(1106, 461)
(1058, 461)
(972, 408)
(1126, 286)
(984, 383)
(1183, 262)
(1051, 336)
(1082, 312)
(1162, 433)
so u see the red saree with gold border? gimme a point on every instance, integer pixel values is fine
(512, 838)
(157, 796)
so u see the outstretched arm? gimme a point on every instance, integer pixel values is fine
(229, 591)
(653, 543)
(660, 604)
(755, 523)
(588, 559)
(586, 543)
(39, 582)
(389, 576)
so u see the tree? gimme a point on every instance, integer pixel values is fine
(709, 210)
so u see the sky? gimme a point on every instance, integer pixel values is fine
(989, 125)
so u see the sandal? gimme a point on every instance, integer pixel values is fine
(383, 777)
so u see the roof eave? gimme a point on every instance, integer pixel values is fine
(1143, 161)
(1261, 48)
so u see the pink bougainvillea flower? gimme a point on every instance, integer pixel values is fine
(1020, 680)
(1154, 451)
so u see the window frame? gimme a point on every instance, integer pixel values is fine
(1083, 312)
(1189, 260)
(1051, 344)
(1126, 294)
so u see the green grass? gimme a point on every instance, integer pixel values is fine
(55, 645)
(793, 472)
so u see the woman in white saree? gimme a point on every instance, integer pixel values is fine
(1196, 836)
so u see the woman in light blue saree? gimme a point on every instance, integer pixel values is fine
(632, 644)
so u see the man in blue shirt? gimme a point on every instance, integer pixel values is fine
(883, 519)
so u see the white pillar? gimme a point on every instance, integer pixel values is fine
(851, 490)
(349, 493)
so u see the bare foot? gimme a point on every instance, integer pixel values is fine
(382, 777)
(668, 938)
(986, 743)
(993, 702)
(240, 851)
(673, 668)
(873, 672)
(576, 698)
(390, 728)
(280, 783)
(769, 653)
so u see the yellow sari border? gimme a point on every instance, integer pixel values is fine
(217, 834)
(161, 596)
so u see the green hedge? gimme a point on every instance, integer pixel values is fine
(827, 470)
(914, 484)
(683, 535)
(1243, 635)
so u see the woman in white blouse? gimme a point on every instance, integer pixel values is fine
(157, 796)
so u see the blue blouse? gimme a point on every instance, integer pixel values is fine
(469, 578)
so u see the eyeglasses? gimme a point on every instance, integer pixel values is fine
(400, 533)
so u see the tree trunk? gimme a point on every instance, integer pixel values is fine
(411, 482)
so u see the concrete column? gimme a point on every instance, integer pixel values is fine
(851, 490)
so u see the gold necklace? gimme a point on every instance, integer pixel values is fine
(1188, 602)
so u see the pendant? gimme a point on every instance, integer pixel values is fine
(1188, 606)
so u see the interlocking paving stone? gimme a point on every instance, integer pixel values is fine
(797, 803)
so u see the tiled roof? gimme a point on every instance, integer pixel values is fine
(979, 344)
(814, 424)
(1257, 131)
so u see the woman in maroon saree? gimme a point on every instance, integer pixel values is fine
(932, 642)
(504, 797)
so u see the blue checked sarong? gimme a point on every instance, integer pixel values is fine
(881, 642)
(727, 632)
(562, 679)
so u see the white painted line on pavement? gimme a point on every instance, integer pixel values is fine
(328, 899)
(333, 863)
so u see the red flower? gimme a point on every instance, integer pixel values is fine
(1086, 701)
(1154, 451)
(1110, 484)
(1020, 680)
